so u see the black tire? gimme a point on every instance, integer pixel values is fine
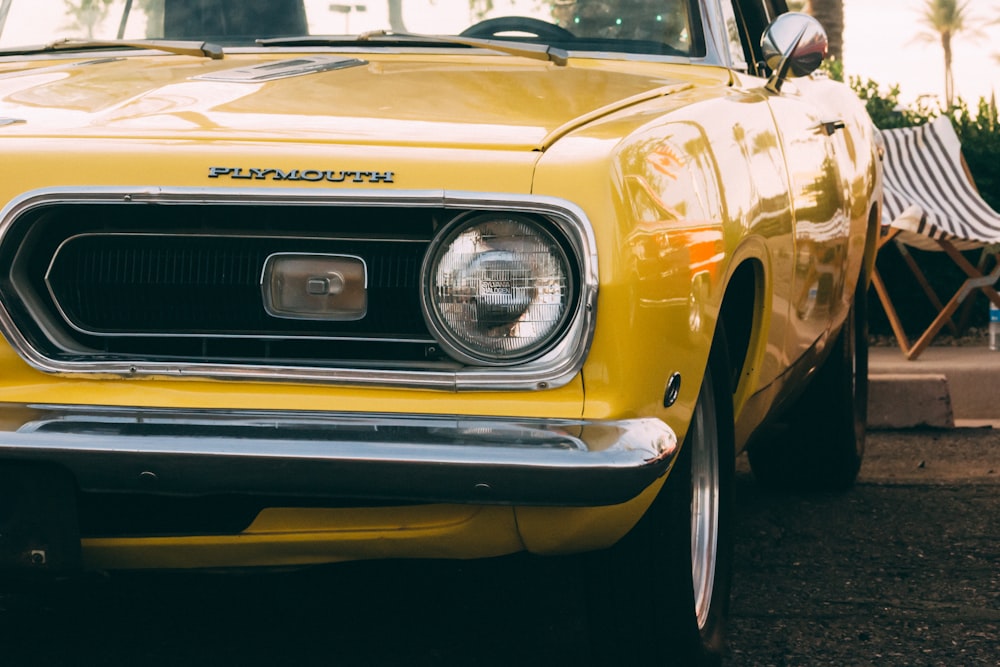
(644, 608)
(820, 443)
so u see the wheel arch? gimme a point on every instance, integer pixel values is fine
(741, 316)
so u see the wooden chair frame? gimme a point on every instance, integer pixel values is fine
(975, 280)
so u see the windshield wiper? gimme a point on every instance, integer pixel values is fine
(183, 48)
(525, 50)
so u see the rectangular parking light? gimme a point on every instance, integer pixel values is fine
(305, 286)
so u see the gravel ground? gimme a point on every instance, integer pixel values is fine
(903, 570)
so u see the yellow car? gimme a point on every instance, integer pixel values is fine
(288, 283)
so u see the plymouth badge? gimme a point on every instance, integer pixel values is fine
(309, 175)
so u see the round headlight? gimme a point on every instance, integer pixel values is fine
(497, 289)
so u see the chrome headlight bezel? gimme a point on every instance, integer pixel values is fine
(512, 300)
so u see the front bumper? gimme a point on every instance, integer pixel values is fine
(379, 457)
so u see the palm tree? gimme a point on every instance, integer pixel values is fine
(944, 20)
(830, 13)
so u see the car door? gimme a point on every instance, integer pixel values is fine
(821, 224)
(808, 133)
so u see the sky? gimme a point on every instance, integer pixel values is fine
(880, 43)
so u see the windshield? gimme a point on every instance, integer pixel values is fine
(656, 27)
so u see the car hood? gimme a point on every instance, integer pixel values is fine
(495, 102)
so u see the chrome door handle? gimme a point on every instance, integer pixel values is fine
(828, 127)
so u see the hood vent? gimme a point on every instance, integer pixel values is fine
(282, 69)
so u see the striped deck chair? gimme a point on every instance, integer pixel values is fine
(930, 202)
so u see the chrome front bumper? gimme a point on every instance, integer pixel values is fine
(384, 457)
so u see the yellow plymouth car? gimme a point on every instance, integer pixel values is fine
(287, 282)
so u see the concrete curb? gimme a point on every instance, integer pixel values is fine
(898, 400)
(944, 387)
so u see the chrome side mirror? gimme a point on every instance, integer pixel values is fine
(793, 45)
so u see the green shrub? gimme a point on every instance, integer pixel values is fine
(980, 135)
(884, 107)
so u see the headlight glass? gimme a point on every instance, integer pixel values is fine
(498, 288)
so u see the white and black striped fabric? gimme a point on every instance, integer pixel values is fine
(927, 193)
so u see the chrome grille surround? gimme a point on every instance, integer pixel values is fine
(555, 368)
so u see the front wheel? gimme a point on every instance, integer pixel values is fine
(661, 594)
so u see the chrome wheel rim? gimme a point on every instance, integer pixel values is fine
(705, 483)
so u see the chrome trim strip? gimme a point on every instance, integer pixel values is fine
(422, 458)
(722, 34)
(4, 10)
(554, 369)
(282, 69)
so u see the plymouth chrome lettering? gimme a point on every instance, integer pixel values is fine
(308, 175)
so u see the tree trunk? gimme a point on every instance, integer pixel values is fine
(831, 14)
(949, 79)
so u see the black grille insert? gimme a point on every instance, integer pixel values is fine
(124, 285)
